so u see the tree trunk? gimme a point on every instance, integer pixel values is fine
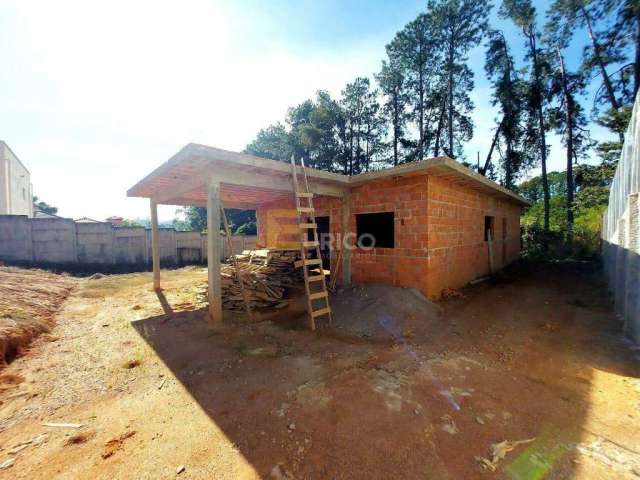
(636, 67)
(396, 128)
(540, 113)
(421, 112)
(443, 109)
(487, 162)
(603, 72)
(568, 102)
(451, 101)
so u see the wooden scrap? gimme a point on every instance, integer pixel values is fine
(266, 276)
(62, 425)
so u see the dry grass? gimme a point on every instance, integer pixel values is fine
(28, 301)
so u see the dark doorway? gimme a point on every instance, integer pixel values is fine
(323, 237)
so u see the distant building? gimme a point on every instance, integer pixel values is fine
(115, 221)
(16, 192)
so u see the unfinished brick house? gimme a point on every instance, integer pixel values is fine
(436, 223)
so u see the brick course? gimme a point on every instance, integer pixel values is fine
(439, 232)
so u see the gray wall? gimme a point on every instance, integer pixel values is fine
(50, 241)
(621, 230)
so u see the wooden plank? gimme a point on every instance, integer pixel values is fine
(316, 278)
(318, 295)
(310, 244)
(304, 195)
(155, 245)
(307, 225)
(322, 311)
(313, 261)
(213, 253)
(305, 209)
(238, 273)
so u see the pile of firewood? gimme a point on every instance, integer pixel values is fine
(266, 276)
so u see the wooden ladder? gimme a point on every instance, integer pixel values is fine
(315, 285)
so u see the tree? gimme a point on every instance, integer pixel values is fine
(414, 49)
(523, 14)
(628, 26)
(509, 92)
(392, 83)
(363, 127)
(460, 24)
(272, 142)
(566, 115)
(44, 207)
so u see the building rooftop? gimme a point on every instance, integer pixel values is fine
(248, 181)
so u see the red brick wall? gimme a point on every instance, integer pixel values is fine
(458, 252)
(439, 232)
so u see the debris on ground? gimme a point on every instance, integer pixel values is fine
(97, 276)
(448, 425)
(450, 293)
(62, 425)
(180, 469)
(499, 451)
(115, 444)
(8, 463)
(266, 275)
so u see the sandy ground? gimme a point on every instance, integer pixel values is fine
(533, 356)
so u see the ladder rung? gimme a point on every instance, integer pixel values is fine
(304, 195)
(316, 278)
(310, 261)
(317, 296)
(308, 225)
(305, 209)
(310, 244)
(319, 313)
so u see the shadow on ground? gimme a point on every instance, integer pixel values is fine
(534, 354)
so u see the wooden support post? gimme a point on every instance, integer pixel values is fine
(155, 245)
(213, 252)
(346, 249)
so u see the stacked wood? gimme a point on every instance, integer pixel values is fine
(267, 274)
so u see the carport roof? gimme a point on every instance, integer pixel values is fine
(248, 181)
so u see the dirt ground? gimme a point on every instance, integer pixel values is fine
(153, 391)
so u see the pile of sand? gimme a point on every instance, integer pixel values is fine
(384, 312)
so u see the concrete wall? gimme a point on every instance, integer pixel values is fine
(59, 241)
(16, 195)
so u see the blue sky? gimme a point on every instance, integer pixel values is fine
(95, 95)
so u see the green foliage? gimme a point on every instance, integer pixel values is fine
(195, 219)
(135, 223)
(44, 207)
(272, 142)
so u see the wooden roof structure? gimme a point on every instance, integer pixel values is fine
(247, 181)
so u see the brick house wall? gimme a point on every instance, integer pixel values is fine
(438, 232)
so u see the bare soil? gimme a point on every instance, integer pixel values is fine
(28, 301)
(152, 390)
